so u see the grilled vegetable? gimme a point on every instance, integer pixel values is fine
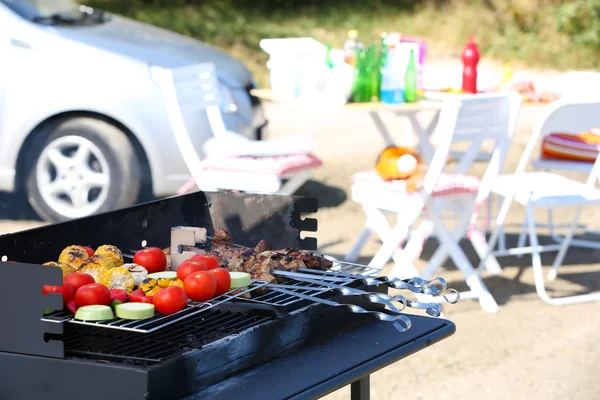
(151, 258)
(92, 294)
(239, 280)
(177, 282)
(134, 310)
(172, 275)
(72, 306)
(118, 278)
(111, 251)
(150, 286)
(164, 282)
(139, 273)
(138, 296)
(74, 256)
(94, 313)
(93, 267)
(107, 261)
(66, 268)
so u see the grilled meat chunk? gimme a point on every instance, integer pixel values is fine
(261, 261)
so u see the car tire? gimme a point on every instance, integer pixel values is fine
(60, 173)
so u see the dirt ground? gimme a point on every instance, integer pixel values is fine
(528, 350)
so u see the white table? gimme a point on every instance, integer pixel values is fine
(410, 111)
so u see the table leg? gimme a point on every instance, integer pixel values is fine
(360, 389)
(381, 128)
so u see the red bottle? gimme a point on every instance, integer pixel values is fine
(470, 58)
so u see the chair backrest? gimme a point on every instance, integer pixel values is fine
(565, 116)
(189, 91)
(475, 119)
(579, 85)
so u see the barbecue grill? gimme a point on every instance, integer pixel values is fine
(219, 349)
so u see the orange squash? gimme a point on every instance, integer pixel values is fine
(398, 162)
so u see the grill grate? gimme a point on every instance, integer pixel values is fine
(159, 320)
(134, 348)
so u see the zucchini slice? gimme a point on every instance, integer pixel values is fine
(134, 310)
(172, 275)
(239, 280)
(94, 313)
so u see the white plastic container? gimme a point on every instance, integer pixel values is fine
(297, 69)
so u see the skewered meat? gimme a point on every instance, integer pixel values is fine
(261, 261)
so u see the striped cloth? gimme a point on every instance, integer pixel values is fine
(582, 146)
(447, 184)
(278, 166)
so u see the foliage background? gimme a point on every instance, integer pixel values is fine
(539, 33)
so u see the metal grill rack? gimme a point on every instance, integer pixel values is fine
(159, 320)
(197, 330)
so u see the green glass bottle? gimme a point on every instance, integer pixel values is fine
(410, 80)
(362, 81)
(328, 60)
(383, 55)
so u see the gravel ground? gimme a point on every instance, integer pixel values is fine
(528, 350)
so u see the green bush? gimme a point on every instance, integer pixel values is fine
(580, 19)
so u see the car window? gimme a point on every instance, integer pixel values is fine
(52, 11)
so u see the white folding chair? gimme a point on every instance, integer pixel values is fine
(571, 114)
(193, 90)
(474, 119)
(546, 190)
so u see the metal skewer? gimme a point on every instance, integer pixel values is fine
(401, 321)
(433, 309)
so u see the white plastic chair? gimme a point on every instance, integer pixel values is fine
(571, 114)
(193, 90)
(472, 119)
(546, 190)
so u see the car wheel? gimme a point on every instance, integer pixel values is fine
(85, 166)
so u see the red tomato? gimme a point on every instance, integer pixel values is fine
(200, 286)
(223, 280)
(189, 266)
(210, 261)
(89, 250)
(66, 290)
(170, 300)
(92, 294)
(151, 258)
(79, 279)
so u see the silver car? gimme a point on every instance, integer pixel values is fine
(83, 126)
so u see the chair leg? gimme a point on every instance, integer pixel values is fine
(294, 183)
(473, 280)
(391, 242)
(363, 236)
(564, 247)
(522, 236)
(536, 262)
(376, 222)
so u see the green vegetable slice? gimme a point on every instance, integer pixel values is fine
(239, 280)
(135, 310)
(165, 274)
(94, 313)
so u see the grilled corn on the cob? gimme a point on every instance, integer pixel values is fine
(118, 278)
(107, 261)
(66, 268)
(108, 250)
(75, 256)
(95, 268)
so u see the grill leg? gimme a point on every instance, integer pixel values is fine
(360, 389)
